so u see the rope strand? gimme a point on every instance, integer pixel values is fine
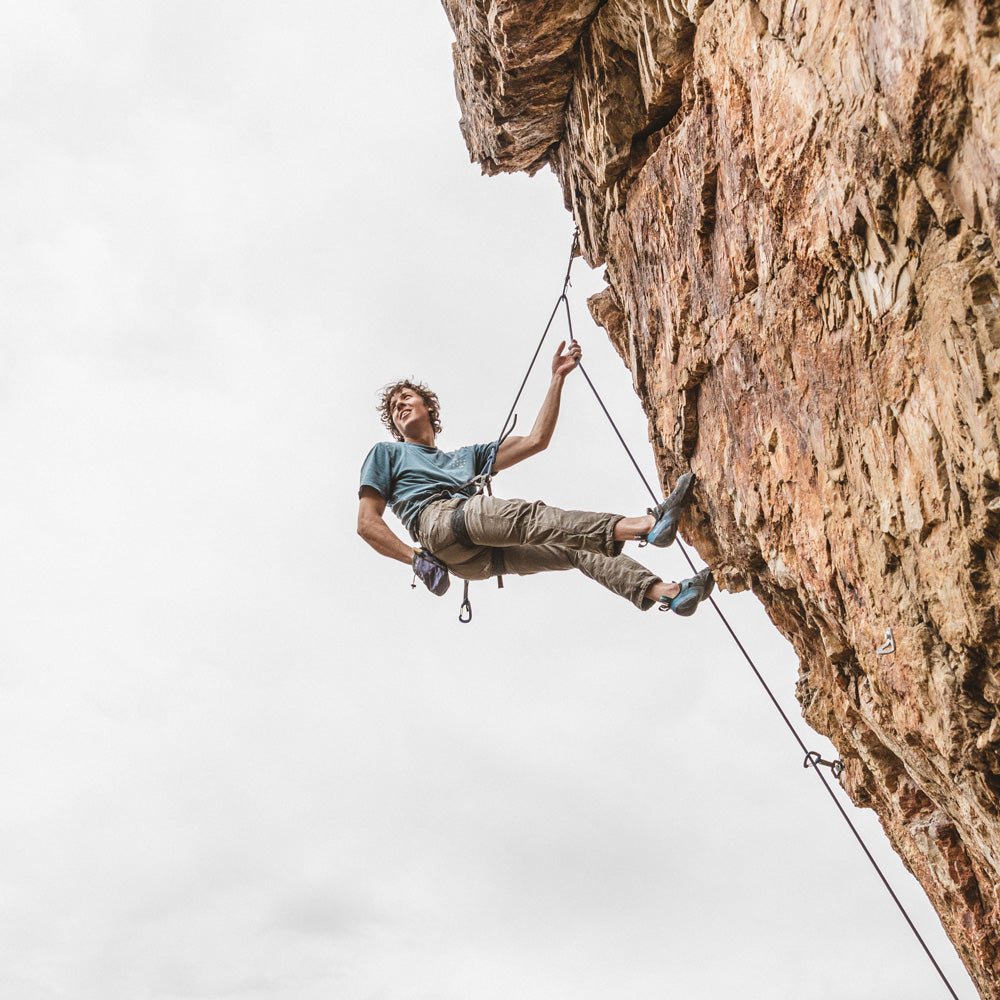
(562, 298)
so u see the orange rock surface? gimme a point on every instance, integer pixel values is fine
(798, 206)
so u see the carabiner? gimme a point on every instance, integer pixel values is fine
(466, 608)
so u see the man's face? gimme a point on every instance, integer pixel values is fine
(409, 411)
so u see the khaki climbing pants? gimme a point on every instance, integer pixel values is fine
(534, 538)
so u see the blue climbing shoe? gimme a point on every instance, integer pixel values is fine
(668, 513)
(692, 593)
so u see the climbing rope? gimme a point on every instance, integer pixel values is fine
(508, 425)
(811, 758)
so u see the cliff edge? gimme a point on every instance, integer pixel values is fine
(798, 207)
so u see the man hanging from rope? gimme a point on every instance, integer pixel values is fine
(479, 536)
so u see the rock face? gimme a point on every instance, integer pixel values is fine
(798, 205)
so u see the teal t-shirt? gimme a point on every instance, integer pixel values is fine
(409, 475)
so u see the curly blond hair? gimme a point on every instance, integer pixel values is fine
(430, 401)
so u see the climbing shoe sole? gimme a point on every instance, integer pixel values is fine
(668, 513)
(693, 592)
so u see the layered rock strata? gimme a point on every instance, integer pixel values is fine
(798, 205)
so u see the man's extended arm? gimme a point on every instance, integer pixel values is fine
(517, 449)
(373, 529)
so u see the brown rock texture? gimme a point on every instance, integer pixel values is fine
(798, 205)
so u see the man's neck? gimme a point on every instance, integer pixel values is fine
(427, 439)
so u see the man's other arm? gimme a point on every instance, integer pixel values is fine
(373, 529)
(517, 449)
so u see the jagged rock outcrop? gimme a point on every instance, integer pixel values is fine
(799, 208)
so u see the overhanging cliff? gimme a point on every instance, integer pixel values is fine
(798, 205)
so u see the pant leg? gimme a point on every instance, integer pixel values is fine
(620, 574)
(491, 521)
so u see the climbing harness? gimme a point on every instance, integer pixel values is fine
(429, 569)
(812, 759)
(461, 533)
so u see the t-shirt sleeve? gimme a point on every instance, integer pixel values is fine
(376, 472)
(483, 453)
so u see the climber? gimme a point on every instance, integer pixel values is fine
(479, 536)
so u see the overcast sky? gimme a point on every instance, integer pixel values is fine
(241, 757)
